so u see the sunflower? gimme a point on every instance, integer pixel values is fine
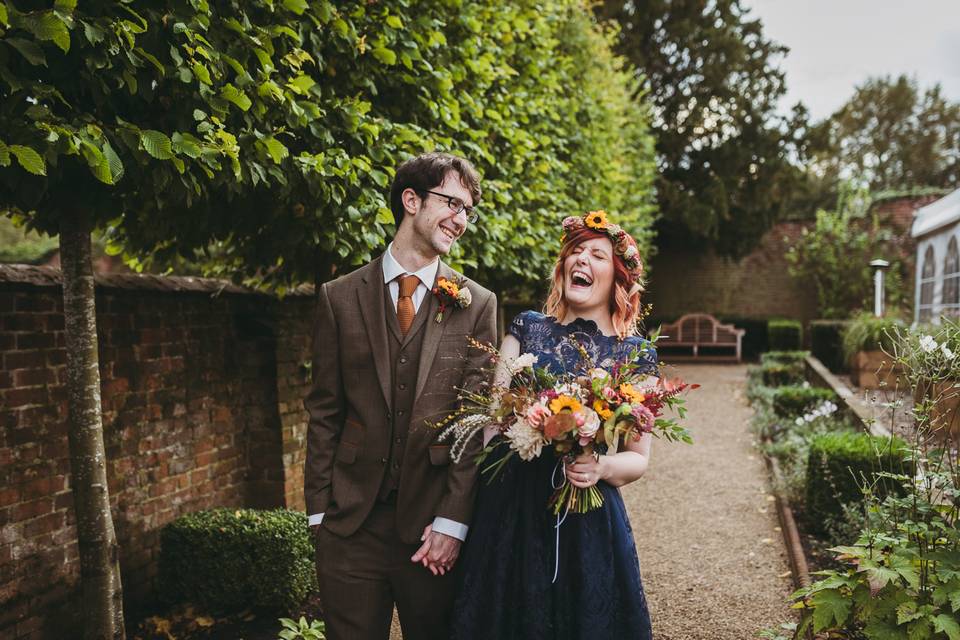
(560, 403)
(597, 220)
(449, 287)
(631, 394)
(602, 409)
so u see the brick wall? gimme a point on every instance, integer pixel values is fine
(759, 285)
(202, 386)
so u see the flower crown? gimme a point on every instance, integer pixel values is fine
(623, 244)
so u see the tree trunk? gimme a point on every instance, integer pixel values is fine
(99, 562)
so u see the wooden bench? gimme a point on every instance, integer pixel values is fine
(696, 330)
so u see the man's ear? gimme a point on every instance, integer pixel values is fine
(411, 202)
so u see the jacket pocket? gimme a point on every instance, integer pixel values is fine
(439, 454)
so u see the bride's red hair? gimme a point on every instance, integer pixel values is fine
(624, 298)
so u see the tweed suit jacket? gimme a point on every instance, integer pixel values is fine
(350, 426)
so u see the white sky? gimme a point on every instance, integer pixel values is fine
(837, 44)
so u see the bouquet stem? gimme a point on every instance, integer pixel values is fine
(575, 499)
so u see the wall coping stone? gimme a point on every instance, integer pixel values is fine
(42, 276)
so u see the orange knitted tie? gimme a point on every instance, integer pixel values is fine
(405, 310)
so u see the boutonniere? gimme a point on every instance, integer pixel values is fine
(452, 293)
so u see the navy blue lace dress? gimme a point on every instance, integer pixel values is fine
(508, 558)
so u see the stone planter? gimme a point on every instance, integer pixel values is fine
(873, 370)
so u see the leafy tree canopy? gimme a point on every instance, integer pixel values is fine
(722, 152)
(260, 137)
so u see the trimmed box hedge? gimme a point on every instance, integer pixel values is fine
(784, 357)
(785, 335)
(233, 559)
(795, 400)
(839, 463)
(778, 374)
(826, 343)
(755, 339)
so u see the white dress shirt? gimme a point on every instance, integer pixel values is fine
(391, 270)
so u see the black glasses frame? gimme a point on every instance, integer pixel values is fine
(471, 213)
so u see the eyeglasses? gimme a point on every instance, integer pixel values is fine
(458, 206)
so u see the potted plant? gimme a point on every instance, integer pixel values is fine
(867, 343)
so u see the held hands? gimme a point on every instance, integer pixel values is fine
(586, 470)
(438, 552)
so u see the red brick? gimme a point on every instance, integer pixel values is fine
(27, 510)
(42, 487)
(14, 398)
(34, 302)
(9, 495)
(24, 359)
(8, 341)
(33, 377)
(44, 524)
(34, 340)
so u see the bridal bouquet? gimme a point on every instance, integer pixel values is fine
(592, 410)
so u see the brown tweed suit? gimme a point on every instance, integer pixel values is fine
(366, 542)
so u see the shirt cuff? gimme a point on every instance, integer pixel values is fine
(315, 519)
(450, 528)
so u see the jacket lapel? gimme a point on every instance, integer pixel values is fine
(372, 308)
(434, 331)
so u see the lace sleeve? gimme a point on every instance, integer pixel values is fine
(518, 327)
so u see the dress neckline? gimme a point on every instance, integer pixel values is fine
(582, 325)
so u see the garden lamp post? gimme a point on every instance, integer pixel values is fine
(879, 267)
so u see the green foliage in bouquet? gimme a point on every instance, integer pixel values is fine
(785, 335)
(794, 400)
(230, 559)
(841, 465)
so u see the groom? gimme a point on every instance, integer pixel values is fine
(387, 506)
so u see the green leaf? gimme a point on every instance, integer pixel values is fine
(48, 26)
(341, 27)
(276, 149)
(301, 84)
(66, 6)
(297, 6)
(201, 72)
(186, 144)
(116, 165)
(199, 115)
(948, 625)
(4, 18)
(231, 94)
(29, 50)
(829, 606)
(157, 144)
(94, 34)
(29, 159)
(384, 55)
(395, 22)
(4, 155)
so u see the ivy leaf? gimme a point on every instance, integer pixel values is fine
(29, 159)
(231, 94)
(948, 625)
(29, 50)
(157, 144)
(829, 606)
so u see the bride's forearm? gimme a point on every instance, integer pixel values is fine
(623, 468)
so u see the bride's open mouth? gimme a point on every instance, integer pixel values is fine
(580, 279)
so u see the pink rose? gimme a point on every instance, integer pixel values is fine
(536, 414)
(589, 428)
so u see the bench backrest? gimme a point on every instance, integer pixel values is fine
(700, 328)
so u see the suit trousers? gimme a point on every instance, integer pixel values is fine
(362, 575)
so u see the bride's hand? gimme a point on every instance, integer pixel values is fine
(586, 470)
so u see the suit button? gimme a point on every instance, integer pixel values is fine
(403, 386)
(403, 359)
(383, 460)
(399, 412)
(397, 440)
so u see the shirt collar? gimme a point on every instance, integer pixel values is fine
(392, 269)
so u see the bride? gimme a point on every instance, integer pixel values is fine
(525, 577)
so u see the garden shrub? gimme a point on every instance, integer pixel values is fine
(869, 333)
(826, 343)
(754, 341)
(228, 559)
(784, 357)
(777, 374)
(784, 335)
(839, 464)
(794, 400)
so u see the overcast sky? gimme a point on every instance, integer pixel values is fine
(836, 44)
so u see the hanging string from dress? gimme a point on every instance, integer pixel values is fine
(553, 481)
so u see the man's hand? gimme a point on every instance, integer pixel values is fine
(438, 552)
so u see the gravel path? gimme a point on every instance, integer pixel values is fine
(711, 551)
